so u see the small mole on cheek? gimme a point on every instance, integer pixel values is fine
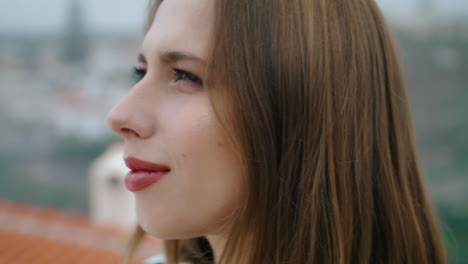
(220, 144)
(184, 155)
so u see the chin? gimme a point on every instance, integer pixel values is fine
(167, 231)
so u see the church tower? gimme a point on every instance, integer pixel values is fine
(75, 45)
(427, 8)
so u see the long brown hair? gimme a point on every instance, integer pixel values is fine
(313, 96)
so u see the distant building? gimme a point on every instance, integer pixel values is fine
(76, 42)
(37, 234)
(427, 7)
(111, 204)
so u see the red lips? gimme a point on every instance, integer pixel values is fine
(135, 164)
(143, 173)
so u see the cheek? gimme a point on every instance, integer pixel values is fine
(193, 134)
(207, 168)
(205, 185)
(197, 140)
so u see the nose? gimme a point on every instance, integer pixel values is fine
(129, 119)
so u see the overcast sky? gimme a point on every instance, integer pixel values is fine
(49, 15)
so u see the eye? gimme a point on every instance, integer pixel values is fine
(181, 75)
(138, 73)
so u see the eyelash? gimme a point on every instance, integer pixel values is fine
(179, 75)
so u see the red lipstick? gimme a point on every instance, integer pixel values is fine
(143, 173)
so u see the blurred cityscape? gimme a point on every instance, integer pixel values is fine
(57, 87)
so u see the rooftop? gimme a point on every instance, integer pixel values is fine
(36, 234)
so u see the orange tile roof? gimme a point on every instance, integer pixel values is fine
(32, 234)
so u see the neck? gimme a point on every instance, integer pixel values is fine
(217, 243)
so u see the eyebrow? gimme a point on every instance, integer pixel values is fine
(173, 57)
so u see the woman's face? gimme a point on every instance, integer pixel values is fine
(167, 119)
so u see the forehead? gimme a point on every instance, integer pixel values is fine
(180, 25)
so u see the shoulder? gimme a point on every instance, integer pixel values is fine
(158, 259)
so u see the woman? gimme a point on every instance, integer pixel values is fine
(274, 132)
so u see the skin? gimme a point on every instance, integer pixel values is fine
(168, 119)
